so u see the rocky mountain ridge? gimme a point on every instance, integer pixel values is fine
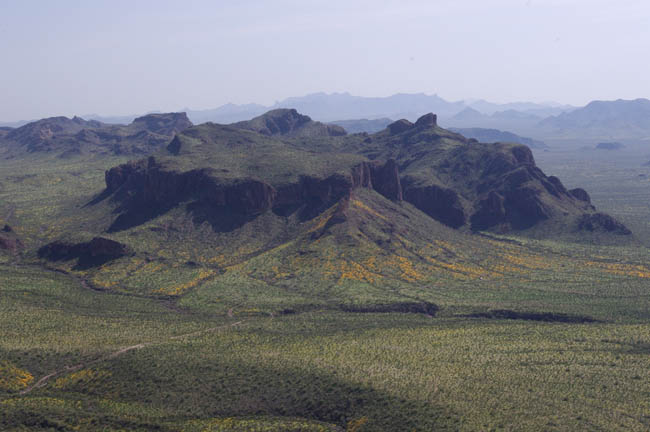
(458, 182)
(76, 136)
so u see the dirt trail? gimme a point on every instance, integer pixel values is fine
(42, 382)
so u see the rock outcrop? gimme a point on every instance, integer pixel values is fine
(458, 182)
(96, 252)
(289, 122)
(602, 222)
(167, 124)
(442, 204)
(147, 188)
(580, 194)
(399, 126)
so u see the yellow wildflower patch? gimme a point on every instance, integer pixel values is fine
(618, 269)
(181, 288)
(355, 271)
(13, 378)
(83, 376)
(362, 206)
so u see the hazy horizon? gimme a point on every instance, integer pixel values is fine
(123, 58)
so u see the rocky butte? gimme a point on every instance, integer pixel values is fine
(286, 163)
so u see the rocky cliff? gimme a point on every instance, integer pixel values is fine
(260, 166)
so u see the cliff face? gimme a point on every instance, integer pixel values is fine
(458, 182)
(463, 183)
(146, 184)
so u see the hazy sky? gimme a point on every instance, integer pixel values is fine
(120, 57)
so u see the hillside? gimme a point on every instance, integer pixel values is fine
(319, 283)
(68, 137)
(292, 165)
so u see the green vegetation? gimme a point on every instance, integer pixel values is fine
(273, 325)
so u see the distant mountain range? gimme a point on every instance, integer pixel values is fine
(336, 107)
(495, 135)
(620, 119)
(602, 119)
(363, 125)
(71, 137)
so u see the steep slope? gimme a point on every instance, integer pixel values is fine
(231, 175)
(4, 131)
(483, 186)
(74, 136)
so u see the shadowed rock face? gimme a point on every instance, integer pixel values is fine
(451, 179)
(442, 204)
(427, 121)
(602, 222)
(490, 212)
(146, 189)
(89, 254)
(580, 194)
(399, 126)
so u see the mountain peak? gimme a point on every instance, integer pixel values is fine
(288, 121)
(427, 120)
(164, 124)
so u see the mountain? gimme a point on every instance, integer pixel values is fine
(289, 122)
(495, 135)
(275, 164)
(541, 110)
(336, 106)
(603, 119)
(609, 146)
(363, 125)
(505, 120)
(118, 119)
(312, 283)
(75, 136)
(228, 113)
(4, 130)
